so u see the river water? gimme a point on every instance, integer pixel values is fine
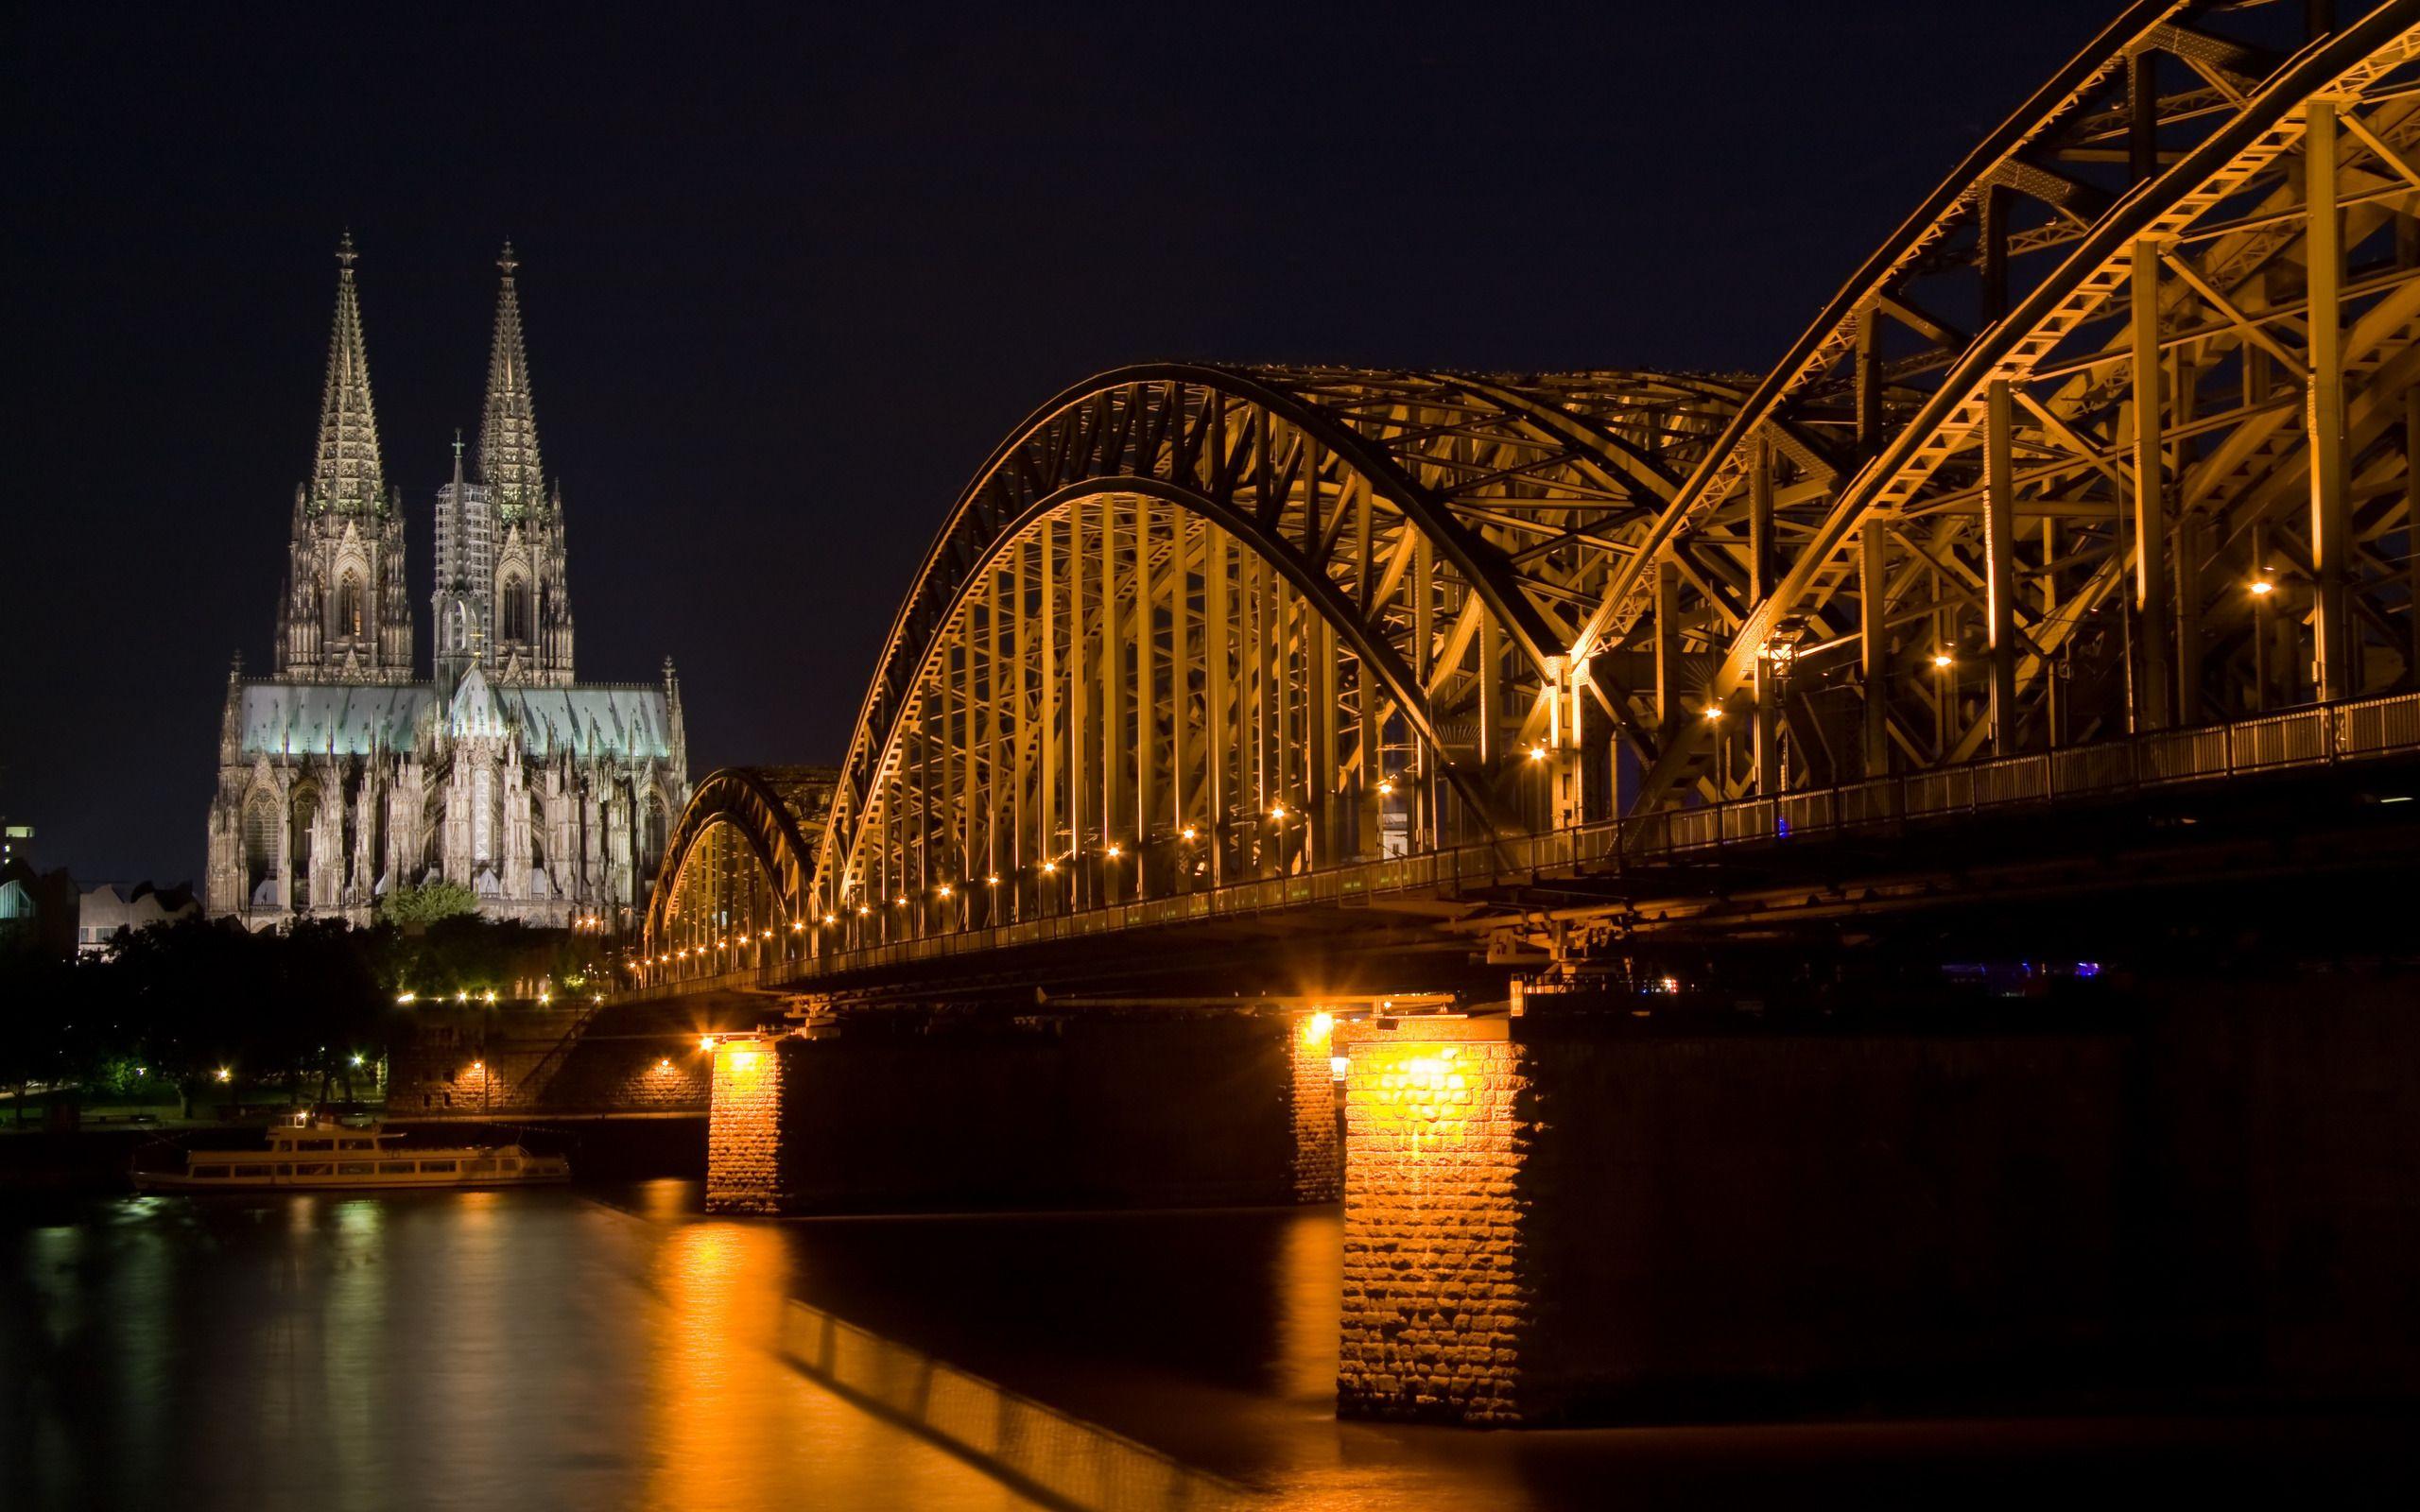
(614, 1347)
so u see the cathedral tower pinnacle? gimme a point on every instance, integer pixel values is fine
(528, 599)
(344, 616)
(508, 466)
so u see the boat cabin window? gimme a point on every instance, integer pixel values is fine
(478, 1166)
(313, 1144)
(209, 1170)
(253, 1172)
(355, 1168)
(439, 1165)
(321, 1169)
(352, 1144)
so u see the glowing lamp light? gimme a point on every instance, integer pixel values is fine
(356, 1061)
(863, 910)
(1339, 1065)
(405, 1000)
(831, 918)
(797, 926)
(769, 933)
(992, 880)
(901, 900)
(224, 1074)
(1319, 1026)
(1048, 867)
(1277, 811)
(461, 997)
(491, 995)
(1115, 850)
(664, 1064)
(706, 1042)
(1190, 832)
(1713, 713)
(944, 890)
(1941, 658)
(2262, 588)
(480, 1067)
(1386, 786)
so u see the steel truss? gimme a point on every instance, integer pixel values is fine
(2113, 436)
(735, 869)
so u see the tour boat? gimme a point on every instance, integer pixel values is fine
(325, 1156)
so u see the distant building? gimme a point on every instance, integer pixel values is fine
(346, 775)
(106, 908)
(37, 908)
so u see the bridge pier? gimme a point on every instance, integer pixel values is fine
(906, 1109)
(2201, 1192)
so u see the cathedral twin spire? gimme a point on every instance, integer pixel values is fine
(500, 566)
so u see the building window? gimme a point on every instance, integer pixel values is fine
(349, 607)
(516, 610)
(482, 816)
(260, 843)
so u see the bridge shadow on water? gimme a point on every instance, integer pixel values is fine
(728, 1286)
(1185, 1359)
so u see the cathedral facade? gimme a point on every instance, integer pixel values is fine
(347, 774)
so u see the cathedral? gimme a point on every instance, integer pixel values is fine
(347, 773)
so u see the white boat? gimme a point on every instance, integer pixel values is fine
(326, 1156)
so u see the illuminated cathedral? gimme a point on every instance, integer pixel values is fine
(349, 773)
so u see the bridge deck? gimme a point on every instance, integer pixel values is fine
(2303, 740)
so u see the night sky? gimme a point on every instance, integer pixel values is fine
(787, 280)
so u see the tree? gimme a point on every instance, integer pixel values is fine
(418, 907)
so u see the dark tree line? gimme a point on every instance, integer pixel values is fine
(179, 1003)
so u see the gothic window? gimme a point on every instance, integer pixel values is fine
(260, 843)
(482, 818)
(516, 610)
(306, 813)
(655, 828)
(349, 607)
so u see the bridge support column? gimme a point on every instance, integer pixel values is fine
(1435, 1307)
(906, 1109)
(2190, 1190)
(1319, 1143)
(745, 1127)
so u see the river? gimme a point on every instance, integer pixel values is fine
(613, 1348)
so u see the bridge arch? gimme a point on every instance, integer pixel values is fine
(2010, 547)
(1337, 609)
(731, 890)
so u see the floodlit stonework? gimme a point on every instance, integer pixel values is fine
(1435, 1304)
(345, 776)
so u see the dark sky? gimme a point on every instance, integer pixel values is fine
(789, 276)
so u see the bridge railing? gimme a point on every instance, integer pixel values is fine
(2317, 736)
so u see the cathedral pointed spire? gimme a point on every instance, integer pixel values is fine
(508, 466)
(347, 473)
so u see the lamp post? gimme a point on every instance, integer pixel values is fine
(1780, 653)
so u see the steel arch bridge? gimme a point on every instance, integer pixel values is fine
(2114, 436)
(736, 866)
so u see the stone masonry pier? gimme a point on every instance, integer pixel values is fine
(1569, 1217)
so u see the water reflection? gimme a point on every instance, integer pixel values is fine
(537, 1350)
